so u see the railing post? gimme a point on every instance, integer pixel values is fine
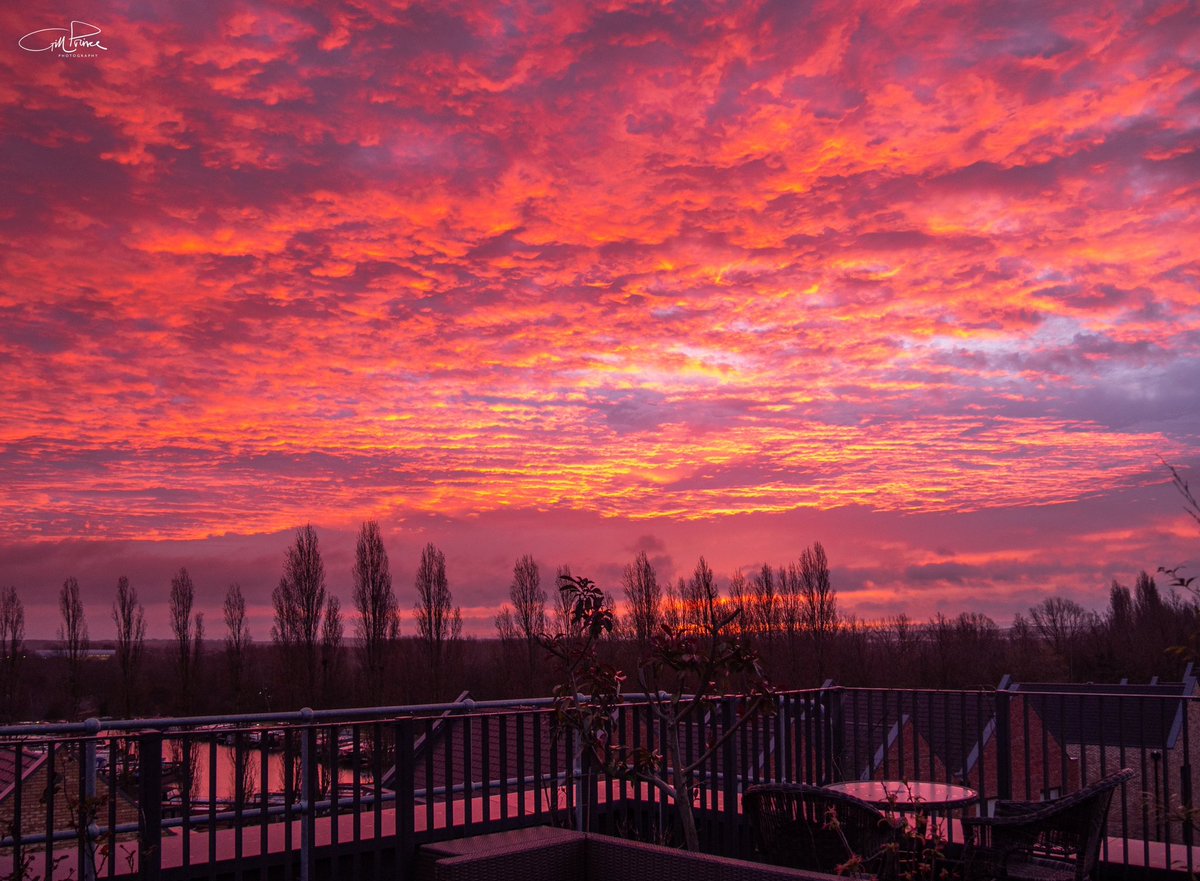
(729, 781)
(405, 783)
(88, 830)
(827, 733)
(308, 795)
(1003, 746)
(150, 805)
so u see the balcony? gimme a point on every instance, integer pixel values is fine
(312, 795)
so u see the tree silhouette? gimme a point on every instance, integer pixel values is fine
(331, 650)
(237, 641)
(818, 607)
(699, 597)
(130, 620)
(643, 596)
(12, 650)
(378, 614)
(74, 636)
(299, 600)
(529, 603)
(439, 621)
(188, 630)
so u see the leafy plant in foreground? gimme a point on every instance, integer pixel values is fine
(684, 676)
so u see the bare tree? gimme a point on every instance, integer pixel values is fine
(188, 630)
(819, 612)
(766, 602)
(700, 597)
(563, 623)
(529, 603)
(439, 621)
(74, 636)
(673, 600)
(299, 600)
(378, 612)
(12, 650)
(332, 632)
(739, 599)
(130, 619)
(1061, 623)
(643, 596)
(237, 640)
(790, 599)
(506, 625)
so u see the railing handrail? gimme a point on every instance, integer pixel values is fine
(307, 715)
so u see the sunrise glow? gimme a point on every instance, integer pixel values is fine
(588, 277)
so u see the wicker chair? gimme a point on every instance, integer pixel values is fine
(1057, 839)
(793, 825)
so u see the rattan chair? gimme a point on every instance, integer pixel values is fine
(807, 827)
(1052, 840)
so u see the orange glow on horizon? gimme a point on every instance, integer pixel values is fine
(646, 262)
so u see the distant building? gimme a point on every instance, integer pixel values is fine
(1143, 726)
(46, 798)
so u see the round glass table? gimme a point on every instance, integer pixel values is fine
(904, 795)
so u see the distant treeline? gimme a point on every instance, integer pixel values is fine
(789, 612)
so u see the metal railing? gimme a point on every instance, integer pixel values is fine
(310, 795)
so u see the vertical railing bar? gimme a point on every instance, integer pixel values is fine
(211, 832)
(149, 805)
(485, 754)
(785, 722)
(186, 773)
(1121, 740)
(729, 789)
(240, 767)
(333, 742)
(18, 827)
(427, 746)
(503, 756)
(963, 773)
(357, 763)
(1185, 787)
(51, 790)
(537, 764)
(939, 697)
(1027, 758)
(289, 797)
(1046, 755)
(826, 761)
(112, 806)
(1146, 832)
(1066, 728)
(309, 756)
(405, 809)
(80, 813)
(377, 754)
(264, 782)
(1168, 838)
(743, 754)
(468, 774)
(757, 754)
(1003, 701)
(448, 768)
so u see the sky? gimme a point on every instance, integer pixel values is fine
(918, 281)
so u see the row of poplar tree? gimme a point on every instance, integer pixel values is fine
(312, 663)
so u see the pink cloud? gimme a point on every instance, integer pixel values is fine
(271, 264)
